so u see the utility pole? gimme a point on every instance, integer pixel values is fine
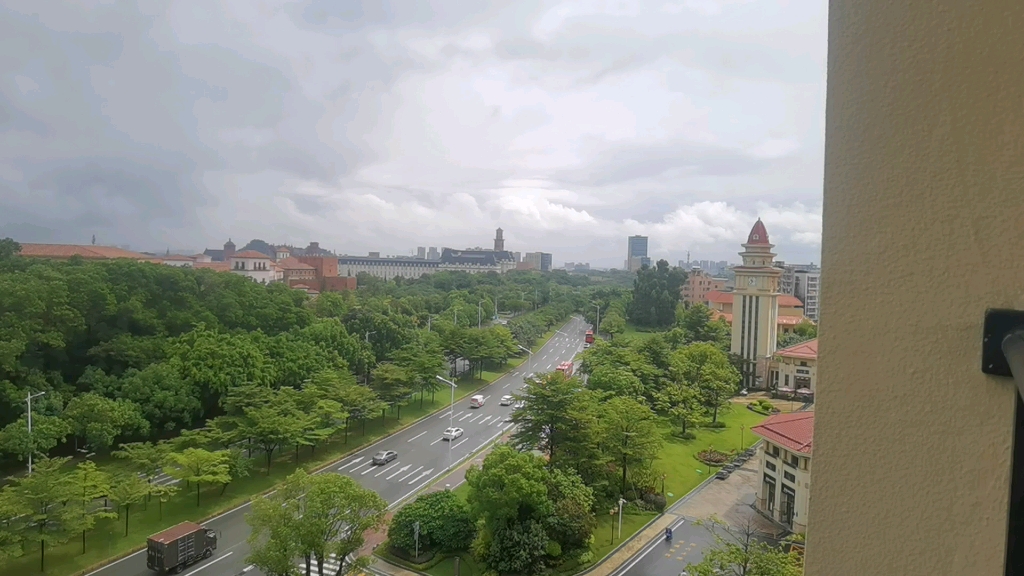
(368, 366)
(32, 445)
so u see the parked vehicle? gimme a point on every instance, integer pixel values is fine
(384, 456)
(170, 551)
(589, 338)
(506, 400)
(476, 401)
(452, 433)
(565, 368)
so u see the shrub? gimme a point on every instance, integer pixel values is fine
(553, 549)
(586, 558)
(656, 501)
(766, 405)
(445, 524)
(713, 457)
(684, 435)
(719, 424)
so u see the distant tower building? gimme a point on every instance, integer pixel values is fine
(229, 249)
(433, 254)
(499, 241)
(755, 310)
(421, 252)
(636, 252)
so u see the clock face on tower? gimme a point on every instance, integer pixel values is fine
(751, 281)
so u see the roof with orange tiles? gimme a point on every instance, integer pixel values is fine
(251, 254)
(758, 234)
(177, 258)
(792, 431)
(720, 297)
(292, 263)
(807, 350)
(69, 250)
(215, 266)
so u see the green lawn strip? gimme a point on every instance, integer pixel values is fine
(107, 542)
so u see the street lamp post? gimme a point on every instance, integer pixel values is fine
(530, 353)
(31, 444)
(479, 313)
(451, 417)
(597, 330)
(621, 502)
(429, 318)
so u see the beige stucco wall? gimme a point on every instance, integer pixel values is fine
(923, 196)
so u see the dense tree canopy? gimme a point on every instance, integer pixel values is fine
(656, 295)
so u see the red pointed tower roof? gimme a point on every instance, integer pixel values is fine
(758, 234)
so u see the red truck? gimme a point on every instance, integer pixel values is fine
(566, 369)
(589, 338)
(170, 551)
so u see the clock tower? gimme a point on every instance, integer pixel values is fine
(755, 306)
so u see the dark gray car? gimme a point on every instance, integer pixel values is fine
(384, 456)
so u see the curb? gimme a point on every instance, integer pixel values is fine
(223, 512)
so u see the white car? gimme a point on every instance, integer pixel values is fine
(506, 400)
(451, 434)
(586, 345)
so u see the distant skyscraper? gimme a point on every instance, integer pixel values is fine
(433, 254)
(539, 260)
(499, 241)
(421, 252)
(636, 248)
(517, 256)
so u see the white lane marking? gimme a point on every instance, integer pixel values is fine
(475, 418)
(487, 397)
(370, 463)
(356, 461)
(422, 474)
(400, 470)
(247, 568)
(457, 414)
(507, 427)
(368, 470)
(210, 563)
(486, 418)
(436, 441)
(456, 445)
(386, 469)
(507, 385)
(402, 479)
(445, 415)
(416, 436)
(466, 416)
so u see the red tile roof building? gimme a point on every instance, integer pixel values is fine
(785, 461)
(793, 432)
(793, 371)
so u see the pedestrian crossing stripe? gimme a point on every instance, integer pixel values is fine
(331, 566)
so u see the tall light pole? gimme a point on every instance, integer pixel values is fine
(528, 351)
(479, 313)
(621, 502)
(451, 417)
(597, 330)
(429, 318)
(32, 445)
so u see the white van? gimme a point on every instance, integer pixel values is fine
(476, 401)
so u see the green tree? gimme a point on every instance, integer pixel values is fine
(572, 521)
(630, 435)
(615, 381)
(682, 403)
(40, 499)
(168, 401)
(546, 420)
(275, 522)
(510, 485)
(391, 384)
(707, 369)
(47, 433)
(423, 360)
(742, 551)
(613, 324)
(198, 466)
(89, 484)
(802, 332)
(517, 547)
(273, 425)
(8, 248)
(444, 519)
(163, 493)
(10, 531)
(98, 420)
(126, 491)
(699, 325)
(655, 295)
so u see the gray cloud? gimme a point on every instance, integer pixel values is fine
(385, 124)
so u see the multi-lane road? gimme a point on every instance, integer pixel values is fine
(422, 458)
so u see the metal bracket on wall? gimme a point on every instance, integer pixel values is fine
(1002, 346)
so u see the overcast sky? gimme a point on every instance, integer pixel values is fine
(385, 125)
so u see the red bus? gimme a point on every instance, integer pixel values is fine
(566, 369)
(589, 338)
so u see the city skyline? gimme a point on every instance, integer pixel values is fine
(571, 126)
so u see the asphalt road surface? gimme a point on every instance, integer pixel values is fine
(422, 457)
(669, 558)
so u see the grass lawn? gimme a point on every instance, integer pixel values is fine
(677, 459)
(467, 567)
(107, 540)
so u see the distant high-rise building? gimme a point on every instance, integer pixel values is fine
(636, 248)
(517, 256)
(421, 252)
(433, 254)
(499, 241)
(570, 266)
(538, 260)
